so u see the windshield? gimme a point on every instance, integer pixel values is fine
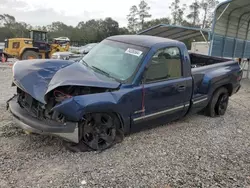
(38, 36)
(116, 59)
(87, 47)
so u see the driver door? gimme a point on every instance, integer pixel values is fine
(164, 88)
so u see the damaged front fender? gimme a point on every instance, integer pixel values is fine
(74, 108)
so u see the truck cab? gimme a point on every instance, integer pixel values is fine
(40, 40)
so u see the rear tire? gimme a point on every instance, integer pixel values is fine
(30, 55)
(218, 104)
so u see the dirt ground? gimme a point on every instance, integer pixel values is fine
(196, 151)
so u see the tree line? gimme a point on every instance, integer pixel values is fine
(198, 14)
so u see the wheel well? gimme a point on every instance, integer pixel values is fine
(229, 87)
(30, 49)
(120, 119)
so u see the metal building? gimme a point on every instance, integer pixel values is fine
(176, 32)
(230, 35)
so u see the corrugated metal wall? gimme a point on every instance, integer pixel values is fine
(230, 35)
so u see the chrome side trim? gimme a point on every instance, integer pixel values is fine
(139, 111)
(158, 113)
(199, 101)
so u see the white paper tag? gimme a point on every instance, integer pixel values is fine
(133, 52)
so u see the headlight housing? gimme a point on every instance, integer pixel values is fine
(55, 57)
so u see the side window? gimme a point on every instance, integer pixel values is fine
(16, 45)
(165, 64)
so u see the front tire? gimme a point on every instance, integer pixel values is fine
(219, 103)
(99, 131)
(29, 54)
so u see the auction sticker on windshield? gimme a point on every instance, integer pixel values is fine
(133, 52)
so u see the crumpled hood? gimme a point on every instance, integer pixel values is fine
(38, 77)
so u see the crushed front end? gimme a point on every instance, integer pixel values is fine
(59, 116)
(53, 96)
(34, 116)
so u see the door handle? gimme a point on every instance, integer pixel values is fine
(181, 88)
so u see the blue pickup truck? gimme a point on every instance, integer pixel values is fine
(125, 82)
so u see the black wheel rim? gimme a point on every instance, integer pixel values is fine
(99, 131)
(222, 104)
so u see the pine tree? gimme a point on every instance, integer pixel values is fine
(194, 13)
(177, 12)
(181, 14)
(143, 12)
(204, 7)
(174, 10)
(133, 19)
(207, 7)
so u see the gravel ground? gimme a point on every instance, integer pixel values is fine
(196, 151)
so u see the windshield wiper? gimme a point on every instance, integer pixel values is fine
(105, 73)
(84, 62)
(102, 71)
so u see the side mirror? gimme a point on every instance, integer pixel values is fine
(85, 51)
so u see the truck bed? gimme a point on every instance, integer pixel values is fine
(199, 60)
(211, 73)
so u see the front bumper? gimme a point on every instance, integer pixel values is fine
(68, 131)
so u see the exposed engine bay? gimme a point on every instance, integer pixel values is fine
(56, 96)
(63, 92)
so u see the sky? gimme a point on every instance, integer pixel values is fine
(71, 12)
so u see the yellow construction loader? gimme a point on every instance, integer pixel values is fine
(35, 47)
